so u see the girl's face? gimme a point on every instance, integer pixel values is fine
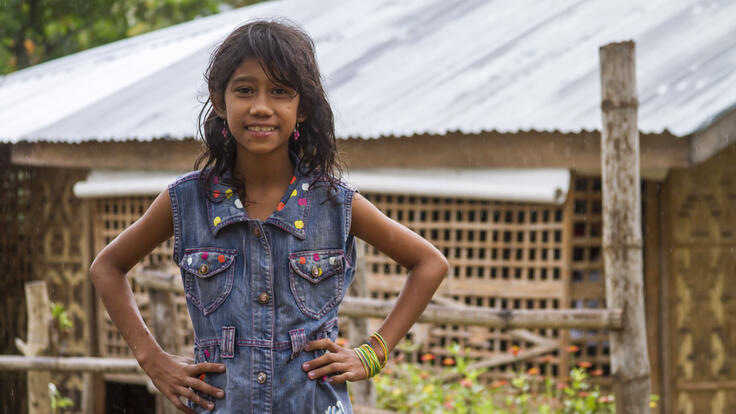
(260, 114)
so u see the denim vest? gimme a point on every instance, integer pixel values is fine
(257, 291)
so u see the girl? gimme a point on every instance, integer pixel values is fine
(264, 234)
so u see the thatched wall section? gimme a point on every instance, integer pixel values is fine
(44, 236)
(700, 236)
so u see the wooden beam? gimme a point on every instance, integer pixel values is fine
(485, 150)
(622, 238)
(148, 155)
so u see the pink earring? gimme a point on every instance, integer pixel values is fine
(296, 131)
(224, 128)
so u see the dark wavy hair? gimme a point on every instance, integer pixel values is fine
(286, 54)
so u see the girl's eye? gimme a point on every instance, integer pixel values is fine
(282, 92)
(245, 90)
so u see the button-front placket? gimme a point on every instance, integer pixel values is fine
(262, 310)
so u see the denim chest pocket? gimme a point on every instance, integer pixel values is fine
(208, 276)
(316, 280)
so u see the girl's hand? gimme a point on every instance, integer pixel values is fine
(176, 377)
(338, 359)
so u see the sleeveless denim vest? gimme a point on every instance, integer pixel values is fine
(258, 291)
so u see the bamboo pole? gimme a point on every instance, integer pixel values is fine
(622, 238)
(38, 341)
(69, 364)
(359, 307)
(492, 318)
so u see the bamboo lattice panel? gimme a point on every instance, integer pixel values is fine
(587, 284)
(702, 245)
(502, 256)
(112, 216)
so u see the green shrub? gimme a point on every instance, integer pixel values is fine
(407, 387)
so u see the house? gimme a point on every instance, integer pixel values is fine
(484, 114)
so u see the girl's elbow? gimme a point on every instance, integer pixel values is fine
(441, 264)
(445, 265)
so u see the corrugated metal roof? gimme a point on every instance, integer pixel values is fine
(403, 68)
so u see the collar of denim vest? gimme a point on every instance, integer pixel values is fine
(224, 207)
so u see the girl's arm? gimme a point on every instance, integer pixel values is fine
(169, 373)
(427, 268)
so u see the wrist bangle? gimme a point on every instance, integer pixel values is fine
(384, 348)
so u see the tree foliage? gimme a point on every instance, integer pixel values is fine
(34, 31)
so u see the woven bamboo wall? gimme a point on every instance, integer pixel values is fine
(111, 216)
(502, 256)
(700, 207)
(587, 283)
(44, 237)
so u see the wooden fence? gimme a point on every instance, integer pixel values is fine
(164, 286)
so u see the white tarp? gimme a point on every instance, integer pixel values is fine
(536, 186)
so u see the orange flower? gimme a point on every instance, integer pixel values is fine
(424, 375)
(583, 394)
(597, 373)
(427, 357)
(342, 341)
(584, 364)
(465, 382)
(533, 371)
(448, 361)
(515, 350)
(572, 348)
(499, 383)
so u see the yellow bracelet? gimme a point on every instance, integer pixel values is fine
(365, 366)
(384, 348)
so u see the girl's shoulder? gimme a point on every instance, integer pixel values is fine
(186, 177)
(339, 183)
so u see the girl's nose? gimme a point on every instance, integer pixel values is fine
(261, 106)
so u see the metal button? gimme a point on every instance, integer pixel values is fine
(203, 269)
(261, 377)
(257, 232)
(264, 298)
(316, 271)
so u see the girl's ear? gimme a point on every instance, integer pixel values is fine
(216, 107)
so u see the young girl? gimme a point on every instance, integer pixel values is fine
(264, 234)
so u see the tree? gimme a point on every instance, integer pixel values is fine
(34, 31)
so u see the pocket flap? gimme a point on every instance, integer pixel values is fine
(206, 262)
(317, 265)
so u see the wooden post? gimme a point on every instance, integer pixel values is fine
(363, 391)
(622, 239)
(164, 326)
(39, 323)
